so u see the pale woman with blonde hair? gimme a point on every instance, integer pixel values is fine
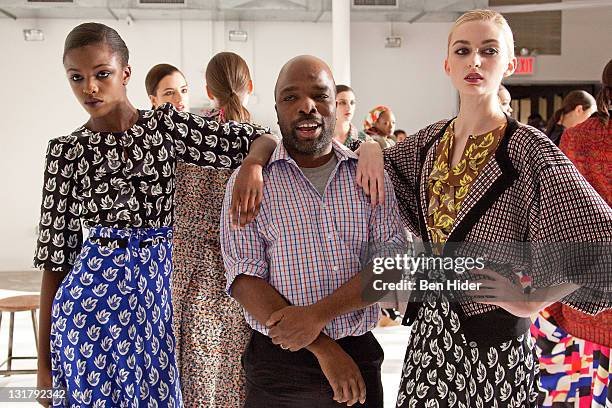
(465, 185)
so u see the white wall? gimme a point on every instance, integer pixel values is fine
(410, 80)
(37, 103)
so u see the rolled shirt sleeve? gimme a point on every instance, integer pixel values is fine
(243, 250)
(387, 236)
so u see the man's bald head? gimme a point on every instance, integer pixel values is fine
(304, 63)
(305, 95)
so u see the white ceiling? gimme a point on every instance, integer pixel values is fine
(232, 10)
(267, 10)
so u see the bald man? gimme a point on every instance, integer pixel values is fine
(300, 268)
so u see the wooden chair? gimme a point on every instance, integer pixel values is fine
(23, 303)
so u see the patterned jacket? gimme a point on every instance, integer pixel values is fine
(529, 192)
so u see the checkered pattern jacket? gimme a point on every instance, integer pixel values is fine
(529, 192)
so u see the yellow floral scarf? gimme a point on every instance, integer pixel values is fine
(448, 188)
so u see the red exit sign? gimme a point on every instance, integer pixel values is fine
(525, 66)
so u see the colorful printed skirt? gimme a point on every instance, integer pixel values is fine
(573, 372)
(111, 334)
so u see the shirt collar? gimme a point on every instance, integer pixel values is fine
(342, 153)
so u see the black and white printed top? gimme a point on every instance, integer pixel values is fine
(126, 179)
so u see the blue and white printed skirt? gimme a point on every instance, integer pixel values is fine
(111, 335)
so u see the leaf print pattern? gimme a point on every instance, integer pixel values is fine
(495, 376)
(111, 337)
(126, 180)
(448, 186)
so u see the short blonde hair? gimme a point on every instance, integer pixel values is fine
(487, 15)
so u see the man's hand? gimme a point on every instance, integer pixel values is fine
(295, 327)
(247, 194)
(342, 373)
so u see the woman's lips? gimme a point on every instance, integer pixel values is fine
(473, 78)
(93, 102)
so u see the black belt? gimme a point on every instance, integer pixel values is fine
(482, 330)
(123, 243)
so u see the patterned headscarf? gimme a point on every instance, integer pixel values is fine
(373, 116)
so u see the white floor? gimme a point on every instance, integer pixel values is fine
(392, 339)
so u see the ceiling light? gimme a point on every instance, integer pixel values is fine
(33, 34)
(393, 41)
(238, 35)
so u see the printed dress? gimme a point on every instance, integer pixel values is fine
(441, 368)
(574, 371)
(112, 343)
(511, 188)
(210, 331)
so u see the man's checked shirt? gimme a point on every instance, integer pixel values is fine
(306, 245)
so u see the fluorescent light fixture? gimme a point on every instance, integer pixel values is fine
(393, 41)
(238, 35)
(33, 34)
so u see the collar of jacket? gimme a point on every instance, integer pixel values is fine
(496, 177)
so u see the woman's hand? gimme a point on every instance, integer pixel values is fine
(247, 193)
(44, 382)
(370, 171)
(495, 289)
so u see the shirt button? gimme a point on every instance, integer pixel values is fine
(330, 237)
(335, 268)
(473, 344)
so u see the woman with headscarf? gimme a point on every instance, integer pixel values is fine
(379, 124)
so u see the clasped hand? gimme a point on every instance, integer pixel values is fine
(295, 327)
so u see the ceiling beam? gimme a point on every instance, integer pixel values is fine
(566, 5)
(229, 4)
(417, 17)
(112, 13)
(9, 15)
(265, 5)
(441, 5)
